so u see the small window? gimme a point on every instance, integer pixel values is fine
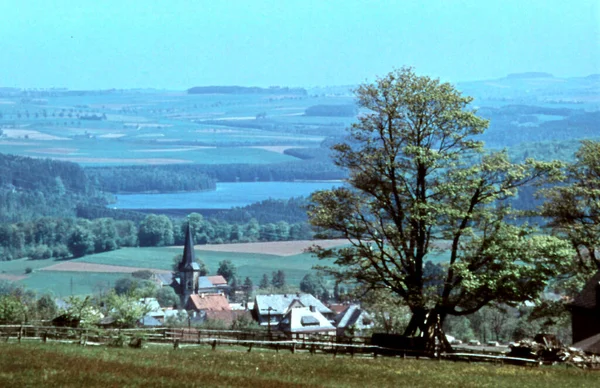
(309, 320)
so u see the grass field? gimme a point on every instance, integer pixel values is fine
(275, 256)
(54, 365)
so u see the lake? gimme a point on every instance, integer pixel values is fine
(226, 196)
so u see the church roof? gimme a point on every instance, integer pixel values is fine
(189, 256)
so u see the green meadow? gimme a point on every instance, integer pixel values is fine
(63, 365)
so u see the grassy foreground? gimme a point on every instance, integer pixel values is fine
(54, 365)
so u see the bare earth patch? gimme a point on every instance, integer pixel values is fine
(278, 248)
(90, 267)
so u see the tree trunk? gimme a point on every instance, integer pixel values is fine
(428, 324)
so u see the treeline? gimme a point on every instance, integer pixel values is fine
(340, 110)
(292, 210)
(203, 175)
(146, 179)
(56, 237)
(44, 175)
(245, 90)
(30, 187)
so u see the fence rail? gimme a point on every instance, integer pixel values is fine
(185, 337)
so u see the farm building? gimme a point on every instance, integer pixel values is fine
(270, 309)
(304, 320)
(353, 321)
(585, 311)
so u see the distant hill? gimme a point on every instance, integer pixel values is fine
(246, 90)
(530, 74)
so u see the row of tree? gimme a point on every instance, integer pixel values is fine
(58, 237)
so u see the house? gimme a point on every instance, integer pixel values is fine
(270, 309)
(162, 279)
(207, 302)
(299, 321)
(353, 321)
(585, 311)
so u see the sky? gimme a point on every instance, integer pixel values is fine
(177, 44)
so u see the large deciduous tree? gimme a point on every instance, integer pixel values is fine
(420, 182)
(574, 208)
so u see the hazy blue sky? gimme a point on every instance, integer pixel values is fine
(177, 44)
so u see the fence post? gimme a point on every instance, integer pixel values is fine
(20, 335)
(214, 345)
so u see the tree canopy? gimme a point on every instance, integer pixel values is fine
(574, 208)
(421, 183)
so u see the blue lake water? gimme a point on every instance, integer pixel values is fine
(226, 196)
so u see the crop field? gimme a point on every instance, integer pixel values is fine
(162, 127)
(91, 273)
(62, 365)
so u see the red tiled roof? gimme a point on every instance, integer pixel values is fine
(209, 302)
(217, 280)
(338, 308)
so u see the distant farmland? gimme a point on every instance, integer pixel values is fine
(92, 273)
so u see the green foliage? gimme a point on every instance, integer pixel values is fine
(82, 309)
(125, 309)
(227, 269)
(278, 279)
(418, 176)
(574, 208)
(312, 284)
(12, 310)
(143, 274)
(264, 282)
(156, 231)
(81, 242)
(167, 297)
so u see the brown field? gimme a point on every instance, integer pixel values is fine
(278, 248)
(90, 267)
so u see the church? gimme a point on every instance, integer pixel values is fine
(186, 280)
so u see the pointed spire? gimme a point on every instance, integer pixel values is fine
(189, 257)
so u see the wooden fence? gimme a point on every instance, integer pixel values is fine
(184, 337)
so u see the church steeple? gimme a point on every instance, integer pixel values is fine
(189, 270)
(188, 261)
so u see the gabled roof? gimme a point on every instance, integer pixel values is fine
(302, 320)
(164, 278)
(279, 303)
(149, 321)
(208, 302)
(217, 280)
(587, 297)
(589, 345)
(188, 261)
(350, 316)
